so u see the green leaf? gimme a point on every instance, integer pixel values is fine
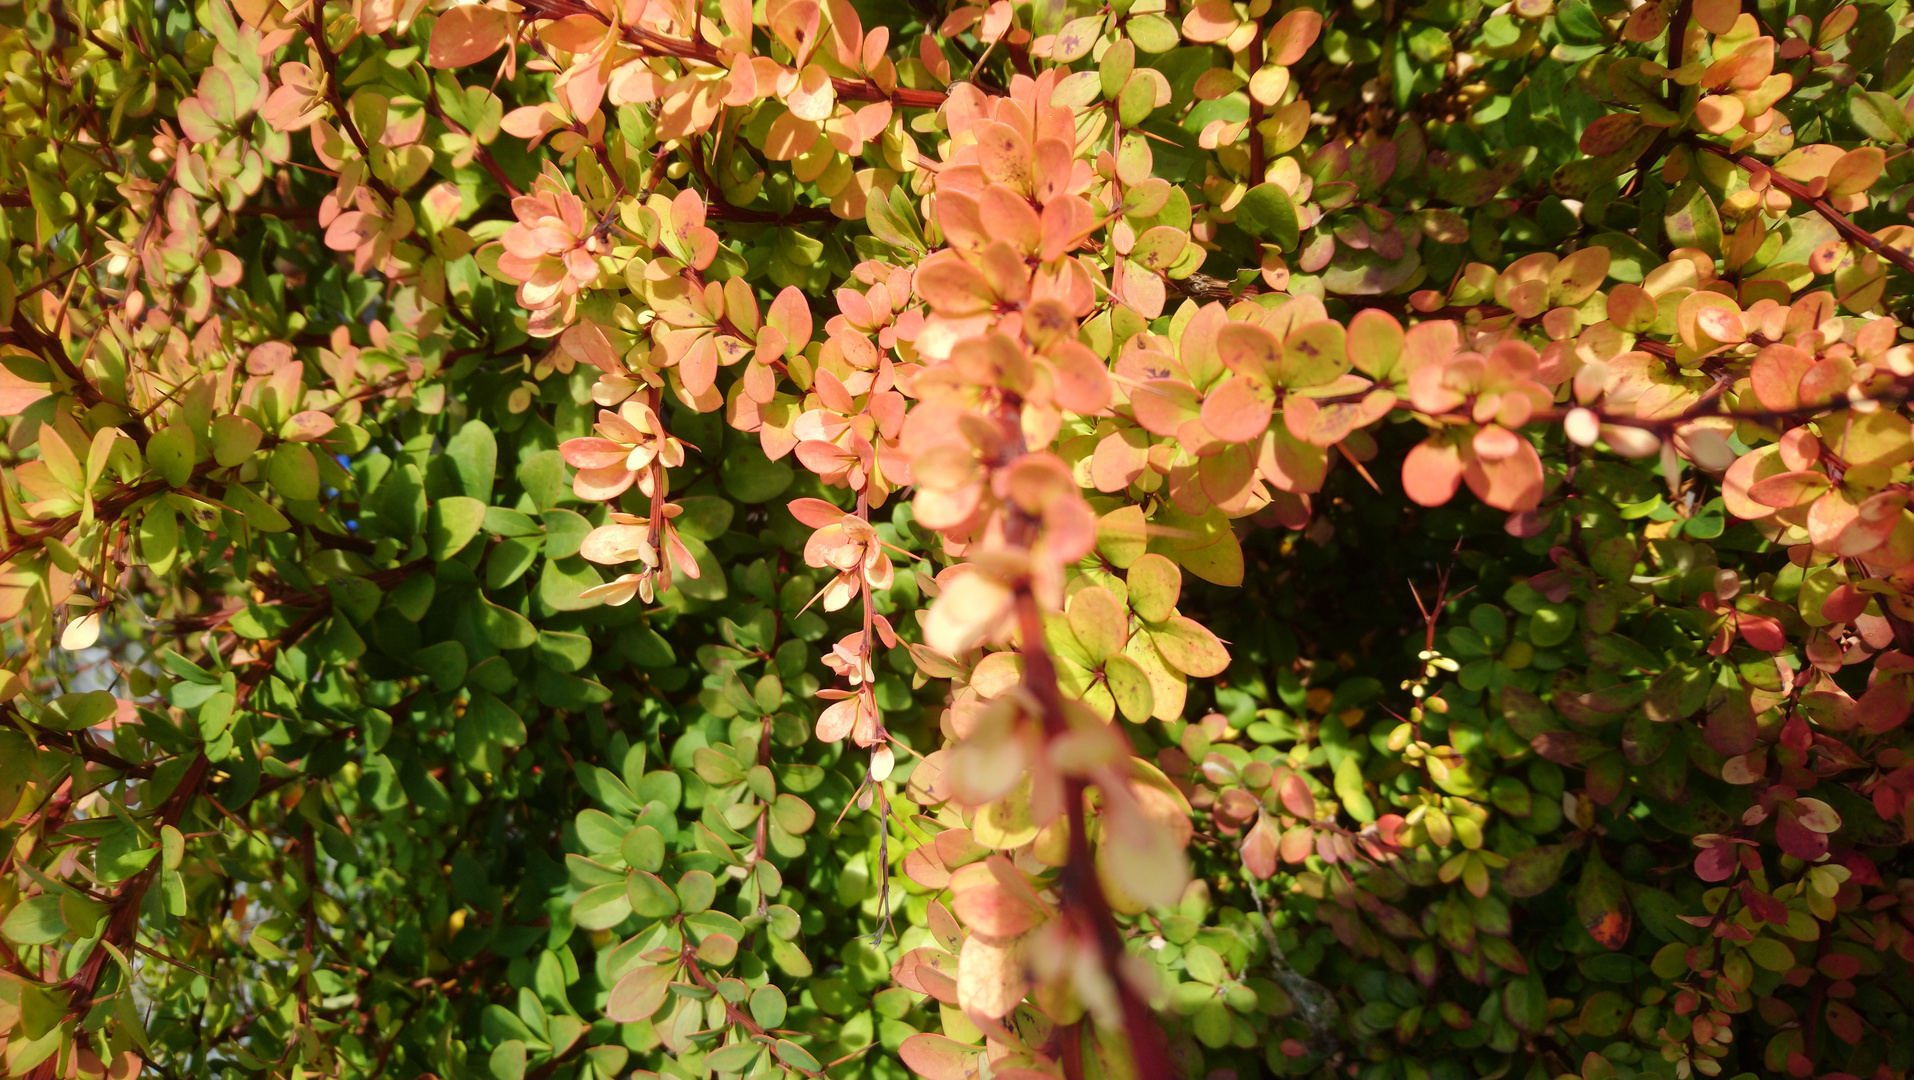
(768, 1007)
(473, 453)
(258, 513)
(750, 477)
(444, 663)
(650, 896)
(1691, 219)
(562, 651)
(564, 532)
(601, 908)
(508, 1060)
(36, 921)
(1268, 214)
(293, 473)
(1879, 116)
(1204, 964)
(73, 712)
(563, 580)
(644, 849)
(170, 451)
(1605, 1013)
(451, 524)
(1349, 789)
(234, 439)
(504, 627)
(544, 479)
(796, 1056)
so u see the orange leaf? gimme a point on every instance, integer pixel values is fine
(467, 34)
(935, 1057)
(952, 287)
(1292, 36)
(1238, 410)
(1163, 406)
(1431, 472)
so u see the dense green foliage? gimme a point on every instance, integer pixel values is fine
(582, 539)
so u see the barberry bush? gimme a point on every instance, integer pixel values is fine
(588, 539)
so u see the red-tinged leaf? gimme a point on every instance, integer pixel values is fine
(307, 426)
(467, 34)
(1777, 373)
(1297, 798)
(790, 315)
(1765, 907)
(1844, 605)
(930, 971)
(1861, 869)
(1731, 728)
(952, 287)
(1532, 872)
(1568, 747)
(845, 718)
(1748, 470)
(698, 367)
(1292, 36)
(1600, 903)
(1163, 406)
(1884, 707)
(1082, 383)
(816, 512)
(1845, 1023)
(639, 994)
(1327, 425)
(1856, 171)
(923, 866)
(1260, 849)
(592, 452)
(1605, 777)
(1817, 815)
(1789, 489)
(1210, 21)
(1239, 409)
(1229, 478)
(935, 1057)
(1797, 839)
(1291, 464)
(1761, 632)
(1431, 472)
(989, 908)
(1248, 349)
(1716, 862)
(1004, 154)
(17, 393)
(1298, 843)
(603, 485)
(1512, 482)
(1610, 133)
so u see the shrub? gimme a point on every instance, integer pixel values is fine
(556, 539)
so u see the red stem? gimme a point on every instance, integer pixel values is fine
(1083, 901)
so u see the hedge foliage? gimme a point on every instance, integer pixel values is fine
(780, 538)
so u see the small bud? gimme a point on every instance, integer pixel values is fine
(1727, 584)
